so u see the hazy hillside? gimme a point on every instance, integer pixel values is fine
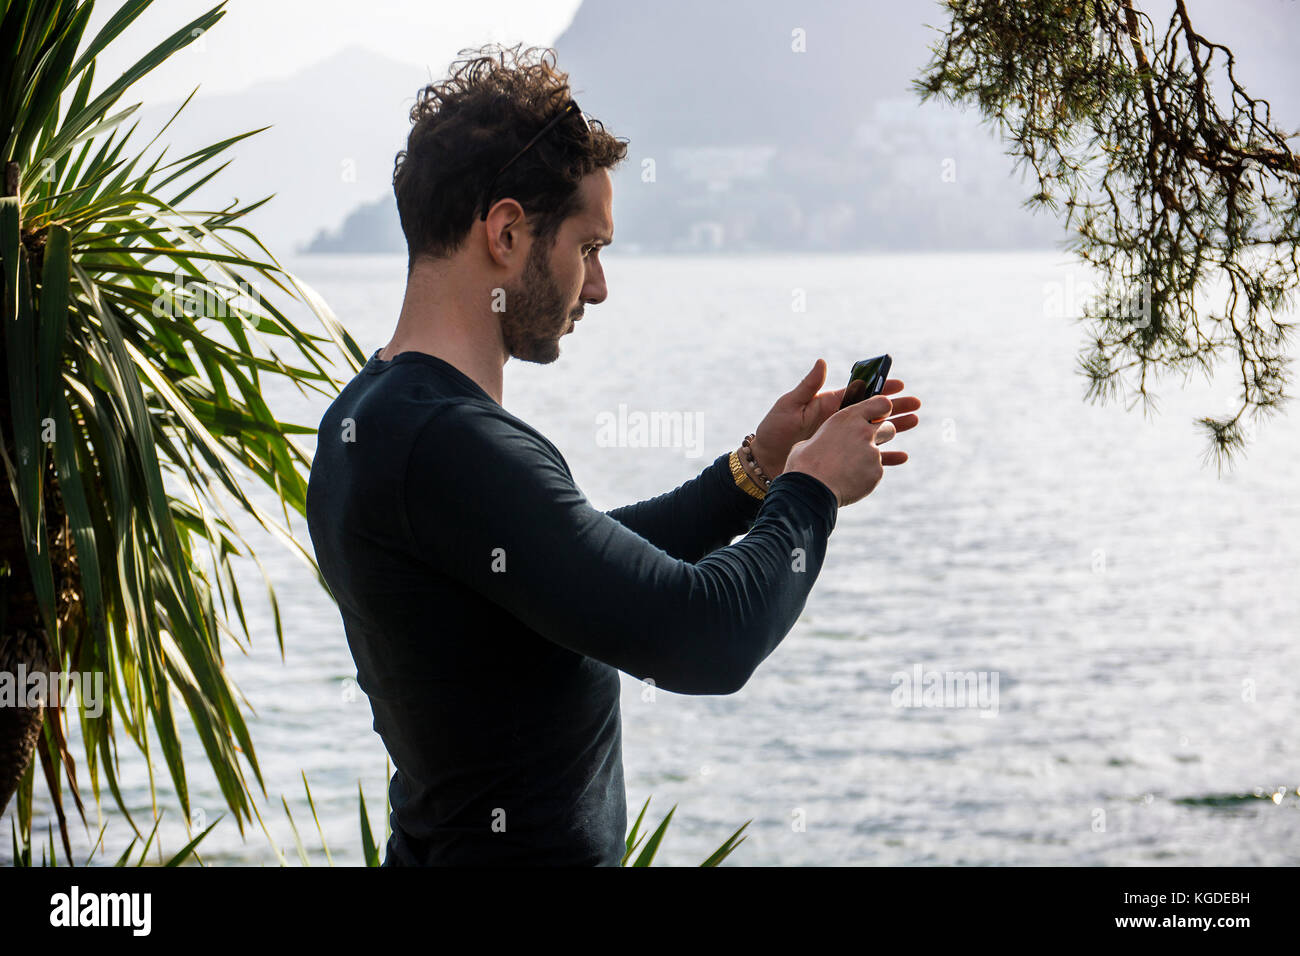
(335, 129)
(737, 140)
(828, 147)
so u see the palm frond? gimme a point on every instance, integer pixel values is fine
(140, 337)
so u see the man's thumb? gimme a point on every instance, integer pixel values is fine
(807, 389)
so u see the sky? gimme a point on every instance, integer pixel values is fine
(264, 39)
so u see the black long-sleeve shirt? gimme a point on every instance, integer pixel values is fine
(489, 607)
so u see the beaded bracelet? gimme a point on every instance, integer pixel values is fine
(765, 481)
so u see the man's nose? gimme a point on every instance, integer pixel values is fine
(595, 291)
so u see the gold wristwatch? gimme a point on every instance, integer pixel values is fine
(743, 481)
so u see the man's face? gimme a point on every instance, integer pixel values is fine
(558, 281)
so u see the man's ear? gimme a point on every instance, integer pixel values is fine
(504, 229)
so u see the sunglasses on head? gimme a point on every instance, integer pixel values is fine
(572, 107)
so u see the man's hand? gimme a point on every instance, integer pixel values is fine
(798, 414)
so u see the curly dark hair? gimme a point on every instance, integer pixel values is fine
(469, 125)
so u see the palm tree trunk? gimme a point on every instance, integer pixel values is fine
(22, 642)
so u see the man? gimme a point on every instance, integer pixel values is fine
(488, 606)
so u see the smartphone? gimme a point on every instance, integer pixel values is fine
(873, 371)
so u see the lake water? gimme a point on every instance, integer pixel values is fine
(1133, 615)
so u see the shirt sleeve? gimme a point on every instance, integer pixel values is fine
(492, 506)
(695, 518)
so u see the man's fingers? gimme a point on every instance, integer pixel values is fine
(892, 386)
(903, 422)
(884, 432)
(893, 457)
(908, 404)
(875, 407)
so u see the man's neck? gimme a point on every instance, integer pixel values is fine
(450, 323)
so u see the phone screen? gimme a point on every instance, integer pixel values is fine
(873, 371)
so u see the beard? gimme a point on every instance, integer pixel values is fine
(535, 315)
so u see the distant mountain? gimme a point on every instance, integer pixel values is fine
(726, 72)
(772, 124)
(335, 130)
(372, 228)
